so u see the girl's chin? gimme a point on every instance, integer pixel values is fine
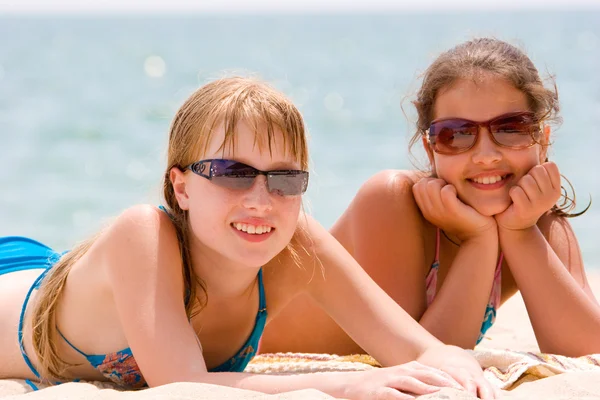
(490, 207)
(489, 210)
(261, 258)
(253, 260)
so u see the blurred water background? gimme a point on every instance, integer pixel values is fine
(86, 102)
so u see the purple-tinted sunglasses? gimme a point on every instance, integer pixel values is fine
(236, 175)
(517, 130)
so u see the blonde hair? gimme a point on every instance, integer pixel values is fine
(470, 60)
(225, 101)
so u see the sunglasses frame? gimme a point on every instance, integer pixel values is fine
(485, 124)
(199, 168)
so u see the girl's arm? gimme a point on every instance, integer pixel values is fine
(373, 319)
(563, 311)
(545, 261)
(386, 236)
(457, 312)
(142, 260)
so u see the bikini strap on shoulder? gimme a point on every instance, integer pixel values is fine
(262, 301)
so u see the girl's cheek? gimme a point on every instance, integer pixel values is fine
(291, 208)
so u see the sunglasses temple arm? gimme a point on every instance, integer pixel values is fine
(202, 174)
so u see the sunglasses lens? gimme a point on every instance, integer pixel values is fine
(232, 175)
(233, 182)
(288, 183)
(516, 131)
(452, 136)
(236, 175)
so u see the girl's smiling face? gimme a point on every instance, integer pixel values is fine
(241, 227)
(484, 174)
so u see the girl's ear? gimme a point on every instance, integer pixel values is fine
(545, 144)
(429, 152)
(178, 180)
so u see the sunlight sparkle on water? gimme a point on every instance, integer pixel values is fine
(155, 67)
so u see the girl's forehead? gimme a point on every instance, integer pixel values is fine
(479, 99)
(250, 142)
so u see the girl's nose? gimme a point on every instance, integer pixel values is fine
(258, 197)
(486, 151)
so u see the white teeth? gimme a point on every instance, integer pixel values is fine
(488, 180)
(252, 229)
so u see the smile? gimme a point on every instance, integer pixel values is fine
(489, 180)
(251, 229)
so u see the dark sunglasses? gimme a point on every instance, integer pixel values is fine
(517, 130)
(236, 175)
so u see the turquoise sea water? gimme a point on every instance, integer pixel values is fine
(85, 103)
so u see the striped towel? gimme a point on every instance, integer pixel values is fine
(508, 369)
(503, 368)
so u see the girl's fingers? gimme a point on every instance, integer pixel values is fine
(425, 195)
(538, 186)
(519, 198)
(436, 378)
(542, 178)
(466, 380)
(450, 200)
(554, 174)
(387, 393)
(463, 214)
(420, 193)
(422, 367)
(410, 384)
(530, 188)
(417, 194)
(486, 390)
(434, 188)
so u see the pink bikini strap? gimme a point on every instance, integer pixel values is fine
(499, 266)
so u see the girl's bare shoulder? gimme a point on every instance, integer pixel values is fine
(391, 183)
(383, 201)
(141, 217)
(141, 233)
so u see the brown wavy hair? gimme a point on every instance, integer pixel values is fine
(469, 60)
(224, 101)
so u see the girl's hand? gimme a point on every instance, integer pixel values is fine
(440, 205)
(462, 367)
(404, 381)
(532, 196)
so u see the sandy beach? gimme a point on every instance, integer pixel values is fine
(504, 355)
